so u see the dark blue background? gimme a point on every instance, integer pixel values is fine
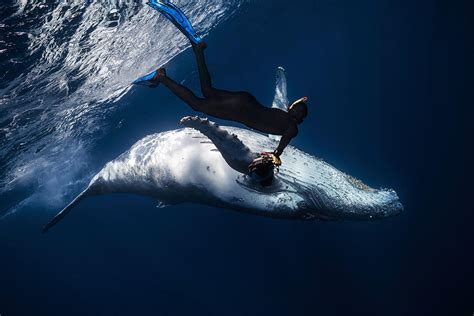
(390, 87)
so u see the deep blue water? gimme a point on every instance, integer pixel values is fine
(390, 88)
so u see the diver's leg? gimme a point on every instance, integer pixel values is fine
(204, 77)
(230, 97)
(208, 91)
(179, 90)
(224, 108)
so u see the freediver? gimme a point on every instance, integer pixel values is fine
(241, 107)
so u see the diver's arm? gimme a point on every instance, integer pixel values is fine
(285, 139)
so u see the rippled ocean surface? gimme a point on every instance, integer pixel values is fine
(390, 103)
(64, 67)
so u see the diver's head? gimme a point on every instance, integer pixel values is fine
(299, 109)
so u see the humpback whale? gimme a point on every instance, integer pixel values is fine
(208, 164)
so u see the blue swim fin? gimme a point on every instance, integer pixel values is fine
(177, 17)
(146, 80)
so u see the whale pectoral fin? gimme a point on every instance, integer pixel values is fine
(64, 211)
(235, 153)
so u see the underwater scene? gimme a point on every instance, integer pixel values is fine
(236, 157)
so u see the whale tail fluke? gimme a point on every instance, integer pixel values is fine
(65, 210)
(280, 100)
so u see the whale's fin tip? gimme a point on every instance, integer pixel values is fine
(58, 217)
(280, 99)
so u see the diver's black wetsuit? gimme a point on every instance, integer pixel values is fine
(240, 107)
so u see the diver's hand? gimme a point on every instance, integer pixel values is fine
(276, 158)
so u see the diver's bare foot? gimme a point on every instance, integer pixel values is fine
(160, 73)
